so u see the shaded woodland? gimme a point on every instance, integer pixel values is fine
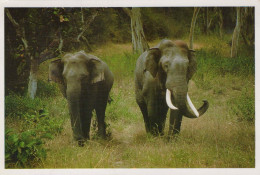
(34, 35)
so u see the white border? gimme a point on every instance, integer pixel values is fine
(128, 3)
(125, 3)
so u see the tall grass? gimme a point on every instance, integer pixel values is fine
(209, 63)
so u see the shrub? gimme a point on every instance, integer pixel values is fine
(45, 89)
(42, 123)
(17, 105)
(23, 148)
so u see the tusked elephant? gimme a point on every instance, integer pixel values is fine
(162, 75)
(85, 81)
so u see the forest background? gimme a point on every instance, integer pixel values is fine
(37, 130)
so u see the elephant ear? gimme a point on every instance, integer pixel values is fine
(192, 64)
(96, 70)
(152, 60)
(55, 71)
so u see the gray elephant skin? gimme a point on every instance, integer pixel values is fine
(162, 75)
(85, 81)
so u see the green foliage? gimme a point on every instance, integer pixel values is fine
(42, 123)
(244, 105)
(45, 89)
(16, 105)
(26, 147)
(23, 148)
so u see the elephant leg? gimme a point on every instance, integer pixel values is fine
(86, 122)
(101, 122)
(175, 122)
(158, 123)
(161, 122)
(157, 111)
(143, 108)
(100, 111)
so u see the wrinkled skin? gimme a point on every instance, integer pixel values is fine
(85, 81)
(170, 65)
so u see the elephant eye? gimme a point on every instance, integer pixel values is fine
(166, 65)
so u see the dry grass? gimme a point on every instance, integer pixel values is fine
(215, 140)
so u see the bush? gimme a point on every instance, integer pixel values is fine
(45, 89)
(17, 105)
(42, 123)
(24, 148)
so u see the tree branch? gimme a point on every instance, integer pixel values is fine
(46, 55)
(19, 30)
(87, 23)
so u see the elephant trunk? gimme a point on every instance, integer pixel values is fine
(183, 103)
(73, 96)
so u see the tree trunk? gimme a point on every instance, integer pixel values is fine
(193, 23)
(32, 85)
(220, 22)
(207, 22)
(139, 42)
(236, 33)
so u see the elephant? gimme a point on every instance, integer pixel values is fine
(162, 75)
(85, 81)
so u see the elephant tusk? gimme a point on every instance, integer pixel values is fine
(192, 106)
(168, 100)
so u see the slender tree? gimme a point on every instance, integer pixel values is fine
(192, 27)
(236, 33)
(139, 42)
(220, 21)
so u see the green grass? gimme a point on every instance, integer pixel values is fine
(223, 137)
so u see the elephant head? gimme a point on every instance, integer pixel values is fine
(173, 63)
(76, 70)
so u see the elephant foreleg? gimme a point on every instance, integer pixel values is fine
(86, 122)
(144, 111)
(175, 122)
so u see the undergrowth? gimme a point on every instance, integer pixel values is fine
(25, 147)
